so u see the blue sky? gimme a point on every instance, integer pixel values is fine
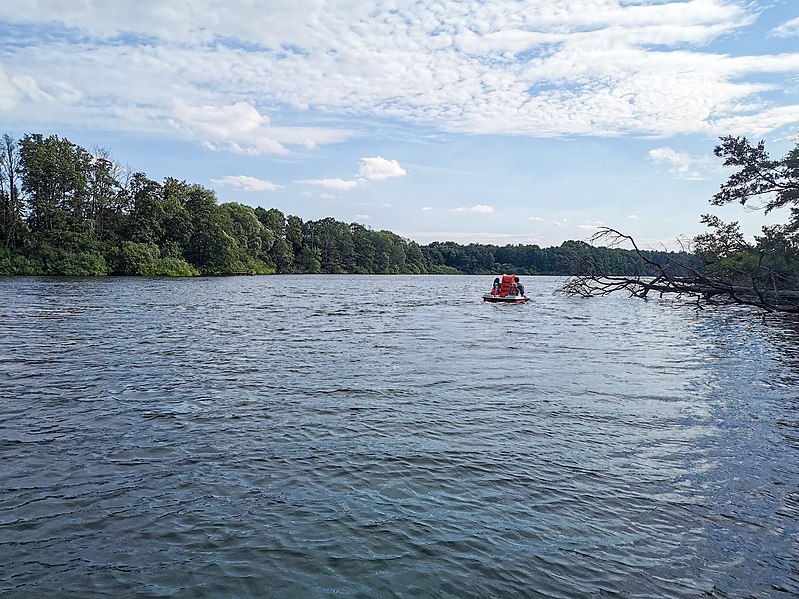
(532, 121)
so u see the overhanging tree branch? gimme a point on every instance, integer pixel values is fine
(763, 274)
(681, 280)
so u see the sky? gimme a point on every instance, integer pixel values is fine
(497, 121)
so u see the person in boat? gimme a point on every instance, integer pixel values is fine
(495, 287)
(519, 286)
(514, 289)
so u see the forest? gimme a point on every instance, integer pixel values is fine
(66, 210)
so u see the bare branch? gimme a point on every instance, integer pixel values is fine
(701, 287)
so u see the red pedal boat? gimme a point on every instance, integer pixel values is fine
(505, 292)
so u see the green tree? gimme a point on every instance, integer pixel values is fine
(274, 220)
(146, 222)
(333, 241)
(282, 256)
(247, 229)
(54, 181)
(209, 247)
(56, 189)
(295, 234)
(415, 259)
(108, 202)
(364, 249)
(310, 260)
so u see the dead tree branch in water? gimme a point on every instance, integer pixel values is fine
(684, 281)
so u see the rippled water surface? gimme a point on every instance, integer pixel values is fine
(295, 437)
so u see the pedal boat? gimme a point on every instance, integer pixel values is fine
(504, 297)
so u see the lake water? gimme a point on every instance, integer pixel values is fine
(390, 436)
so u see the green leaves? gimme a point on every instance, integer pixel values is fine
(776, 182)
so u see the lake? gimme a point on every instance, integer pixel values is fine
(390, 436)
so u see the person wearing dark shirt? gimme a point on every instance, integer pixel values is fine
(519, 286)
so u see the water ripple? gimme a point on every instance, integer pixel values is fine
(244, 438)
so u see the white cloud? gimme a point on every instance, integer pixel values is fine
(677, 161)
(536, 218)
(361, 216)
(378, 168)
(245, 183)
(371, 169)
(30, 88)
(787, 29)
(240, 127)
(9, 97)
(589, 67)
(478, 209)
(51, 93)
(681, 163)
(633, 216)
(339, 184)
(760, 123)
(427, 208)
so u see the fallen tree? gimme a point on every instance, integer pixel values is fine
(762, 274)
(682, 281)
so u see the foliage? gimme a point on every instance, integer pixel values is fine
(65, 210)
(6, 262)
(145, 259)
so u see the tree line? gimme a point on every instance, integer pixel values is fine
(66, 210)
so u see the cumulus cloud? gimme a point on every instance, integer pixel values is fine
(681, 163)
(378, 169)
(245, 183)
(478, 209)
(339, 184)
(371, 169)
(677, 161)
(239, 127)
